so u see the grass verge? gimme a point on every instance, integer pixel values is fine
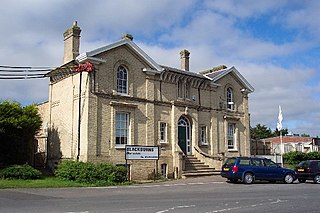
(46, 182)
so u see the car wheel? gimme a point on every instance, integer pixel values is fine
(248, 178)
(288, 178)
(301, 180)
(316, 179)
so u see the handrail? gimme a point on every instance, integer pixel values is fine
(219, 157)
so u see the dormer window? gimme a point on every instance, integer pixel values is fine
(230, 102)
(122, 80)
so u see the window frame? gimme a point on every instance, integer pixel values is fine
(122, 130)
(203, 136)
(163, 132)
(122, 80)
(231, 137)
(230, 99)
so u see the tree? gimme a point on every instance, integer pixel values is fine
(277, 132)
(260, 132)
(18, 126)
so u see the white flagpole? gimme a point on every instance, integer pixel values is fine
(279, 127)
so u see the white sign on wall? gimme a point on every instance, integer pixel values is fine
(142, 152)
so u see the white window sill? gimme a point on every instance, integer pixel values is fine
(120, 146)
(232, 150)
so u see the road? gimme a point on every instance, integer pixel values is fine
(198, 195)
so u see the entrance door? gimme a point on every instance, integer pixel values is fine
(184, 135)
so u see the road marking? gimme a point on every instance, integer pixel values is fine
(243, 207)
(174, 208)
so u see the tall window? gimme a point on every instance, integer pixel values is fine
(163, 132)
(180, 93)
(231, 136)
(188, 87)
(203, 135)
(122, 80)
(122, 128)
(230, 103)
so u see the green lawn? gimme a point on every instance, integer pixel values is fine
(47, 182)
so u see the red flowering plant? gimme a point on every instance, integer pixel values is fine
(85, 67)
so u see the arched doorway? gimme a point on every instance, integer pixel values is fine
(184, 135)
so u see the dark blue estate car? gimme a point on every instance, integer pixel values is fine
(249, 169)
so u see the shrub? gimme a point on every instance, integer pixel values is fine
(293, 158)
(20, 172)
(91, 173)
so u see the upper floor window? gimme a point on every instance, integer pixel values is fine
(180, 93)
(122, 80)
(188, 87)
(122, 128)
(231, 136)
(163, 132)
(230, 103)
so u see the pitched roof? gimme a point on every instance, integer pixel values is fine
(216, 75)
(125, 41)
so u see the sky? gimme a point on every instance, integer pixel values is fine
(274, 44)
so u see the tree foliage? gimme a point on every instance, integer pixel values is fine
(260, 132)
(18, 126)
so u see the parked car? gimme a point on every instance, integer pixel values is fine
(249, 169)
(308, 170)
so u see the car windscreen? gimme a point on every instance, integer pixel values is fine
(303, 164)
(230, 161)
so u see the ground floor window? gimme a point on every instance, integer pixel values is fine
(231, 136)
(203, 135)
(163, 132)
(122, 128)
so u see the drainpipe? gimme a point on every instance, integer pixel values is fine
(79, 117)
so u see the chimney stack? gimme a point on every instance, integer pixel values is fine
(184, 58)
(71, 43)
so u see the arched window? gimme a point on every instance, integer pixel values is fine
(122, 80)
(230, 103)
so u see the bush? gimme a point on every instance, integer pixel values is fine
(91, 173)
(293, 158)
(20, 172)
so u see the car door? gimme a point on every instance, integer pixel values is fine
(274, 171)
(258, 168)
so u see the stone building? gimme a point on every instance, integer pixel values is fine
(129, 99)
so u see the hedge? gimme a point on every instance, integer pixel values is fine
(293, 158)
(87, 172)
(20, 172)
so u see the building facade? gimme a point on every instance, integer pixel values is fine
(124, 97)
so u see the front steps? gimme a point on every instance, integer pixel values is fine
(195, 168)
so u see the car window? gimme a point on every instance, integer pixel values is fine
(270, 163)
(303, 164)
(244, 162)
(257, 162)
(230, 161)
(318, 164)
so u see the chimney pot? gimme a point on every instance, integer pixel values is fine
(184, 58)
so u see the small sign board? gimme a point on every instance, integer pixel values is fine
(142, 152)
